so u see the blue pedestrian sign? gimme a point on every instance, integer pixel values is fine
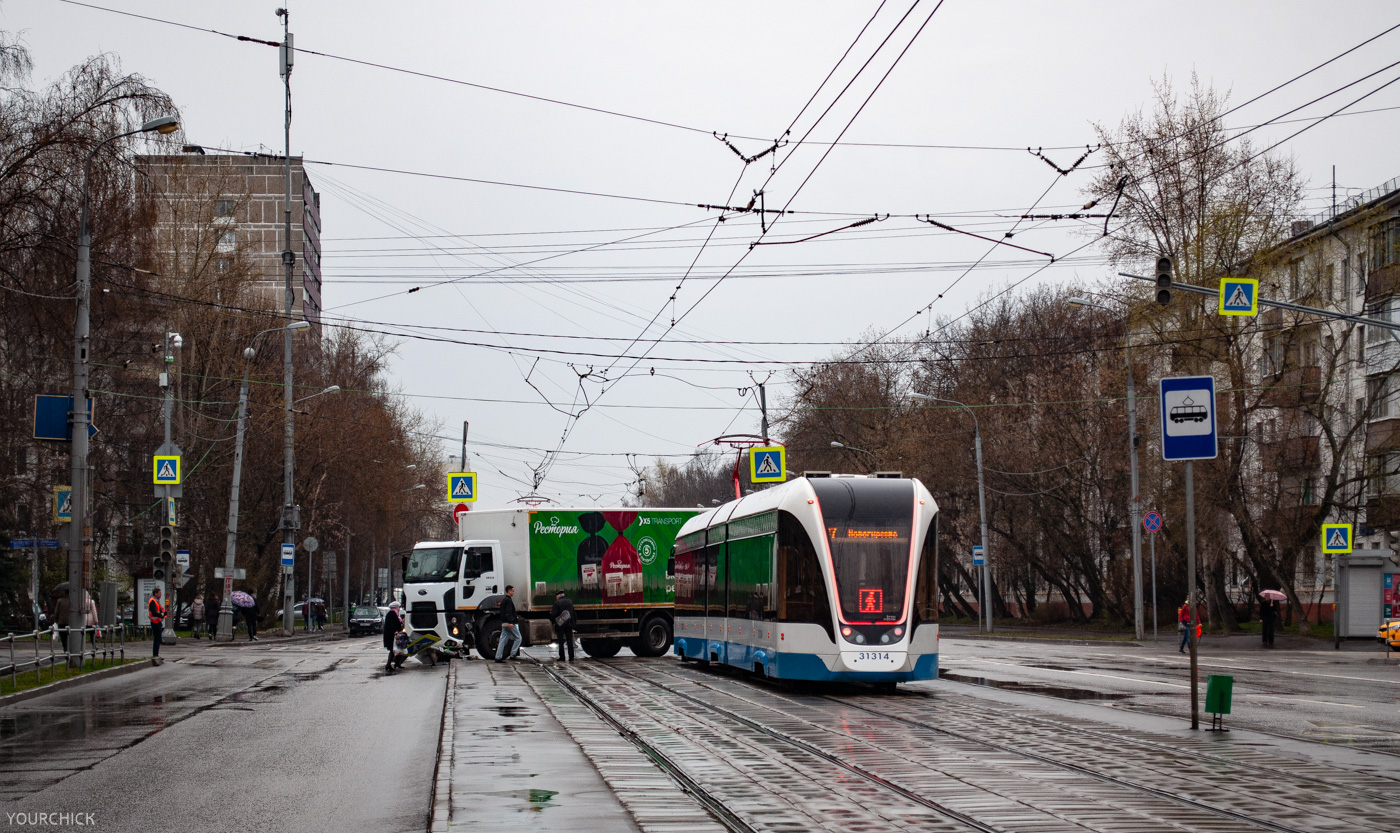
(461, 487)
(978, 558)
(289, 552)
(165, 469)
(1336, 539)
(767, 464)
(1188, 418)
(1152, 522)
(1239, 296)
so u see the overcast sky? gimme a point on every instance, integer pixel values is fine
(528, 314)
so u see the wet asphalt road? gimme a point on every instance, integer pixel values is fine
(305, 737)
(1300, 689)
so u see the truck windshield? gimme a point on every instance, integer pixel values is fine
(433, 564)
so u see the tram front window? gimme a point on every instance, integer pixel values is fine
(868, 523)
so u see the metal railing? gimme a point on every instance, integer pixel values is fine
(48, 648)
(1355, 201)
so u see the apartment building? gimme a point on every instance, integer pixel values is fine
(211, 207)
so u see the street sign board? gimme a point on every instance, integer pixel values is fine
(228, 586)
(170, 518)
(238, 573)
(289, 554)
(1336, 539)
(1152, 522)
(978, 557)
(458, 511)
(62, 504)
(1188, 418)
(30, 543)
(768, 464)
(461, 486)
(383, 577)
(182, 557)
(1239, 296)
(165, 469)
(51, 418)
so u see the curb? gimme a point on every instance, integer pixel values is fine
(278, 640)
(1059, 640)
(59, 685)
(440, 803)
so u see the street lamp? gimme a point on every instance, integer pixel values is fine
(835, 444)
(225, 630)
(1135, 502)
(981, 503)
(80, 419)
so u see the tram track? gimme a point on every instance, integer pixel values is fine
(1235, 817)
(1264, 772)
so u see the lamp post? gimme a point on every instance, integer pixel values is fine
(981, 504)
(79, 418)
(836, 444)
(225, 631)
(310, 552)
(1135, 502)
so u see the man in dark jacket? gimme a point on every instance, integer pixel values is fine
(250, 616)
(510, 627)
(393, 623)
(562, 615)
(1268, 615)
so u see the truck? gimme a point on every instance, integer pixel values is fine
(616, 565)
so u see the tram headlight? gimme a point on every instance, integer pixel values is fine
(899, 632)
(860, 639)
(846, 631)
(884, 638)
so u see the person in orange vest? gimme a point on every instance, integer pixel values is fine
(157, 613)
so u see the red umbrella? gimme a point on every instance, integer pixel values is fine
(1273, 595)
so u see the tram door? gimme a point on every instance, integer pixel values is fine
(716, 592)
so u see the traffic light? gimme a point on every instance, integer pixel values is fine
(166, 556)
(1164, 280)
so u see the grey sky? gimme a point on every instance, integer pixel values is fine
(1002, 74)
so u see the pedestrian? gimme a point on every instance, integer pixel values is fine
(393, 623)
(211, 617)
(320, 616)
(1268, 615)
(61, 610)
(156, 611)
(197, 616)
(250, 618)
(510, 627)
(90, 618)
(1183, 624)
(562, 615)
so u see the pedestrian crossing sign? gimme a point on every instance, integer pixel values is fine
(461, 487)
(165, 470)
(1239, 296)
(1336, 539)
(62, 504)
(768, 464)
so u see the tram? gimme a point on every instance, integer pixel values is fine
(820, 578)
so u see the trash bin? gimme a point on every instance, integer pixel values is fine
(1219, 689)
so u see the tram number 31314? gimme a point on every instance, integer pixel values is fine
(875, 655)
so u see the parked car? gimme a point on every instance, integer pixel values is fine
(1389, 634)
(365, 620)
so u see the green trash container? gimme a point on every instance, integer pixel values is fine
(1219, 689)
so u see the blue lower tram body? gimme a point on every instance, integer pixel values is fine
(784, 665)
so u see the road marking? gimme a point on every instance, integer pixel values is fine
(1303, 700)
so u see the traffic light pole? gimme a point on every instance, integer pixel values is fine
(1394, 326)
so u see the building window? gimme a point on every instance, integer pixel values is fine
(1329, 278)
(1385, 243)
(1295, 279)
(228, 241)
(1384, 311)
(1346, 278)
(1307, 491)
(223, 208)
(221, 264)
(1382, 395)
(1361, 274)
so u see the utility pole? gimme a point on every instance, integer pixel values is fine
(1136, 505)
(175, 342)
(291, 520)
(464, 446)
(763, 410)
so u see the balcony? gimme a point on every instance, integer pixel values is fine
(1293, 388)
(1381, 283)
(1382, 435)
(1295, 454)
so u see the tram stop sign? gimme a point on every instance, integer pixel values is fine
(1152, 522)
(1188, 418)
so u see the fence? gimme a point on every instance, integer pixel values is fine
(50, 649)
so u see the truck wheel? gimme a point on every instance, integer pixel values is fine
(600, 648)
(655, 638)
(489, 638)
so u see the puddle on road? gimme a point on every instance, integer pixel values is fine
(1062, 692)
(509, 711)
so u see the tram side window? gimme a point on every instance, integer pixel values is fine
(750, 577)
(690, 558)
(926, 586)
(717, 582)
(802, 595)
